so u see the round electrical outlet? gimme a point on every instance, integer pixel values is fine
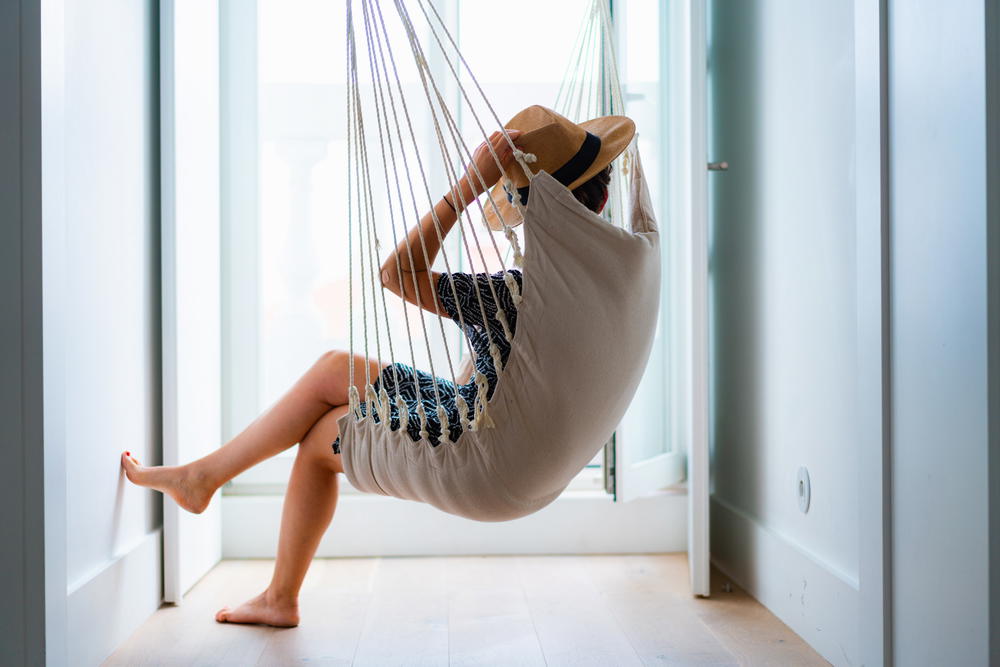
(802, 486)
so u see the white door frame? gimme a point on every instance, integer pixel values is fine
(191, 274)
(687, 184)
(872, 298)
(698, 462)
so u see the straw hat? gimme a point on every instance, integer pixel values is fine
(571, 153)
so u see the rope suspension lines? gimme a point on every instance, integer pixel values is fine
(394, 100)
(383, 113)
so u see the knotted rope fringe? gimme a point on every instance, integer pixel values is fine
(374, 406)
(423, 421)
(385, 407)
(354, 401)
(502, 319)
(404, 412)
(512, 286)
(481, 417)
(445, 426)
(463, 412)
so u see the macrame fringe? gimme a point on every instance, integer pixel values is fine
(354, 402)
(424, 435)
(521, 156)
(371, 398)
(463, 412)
(515, 290)
(515, 245)
(495, 355)
(445, 426)
(482, 417)
(502, 319)
(404, 413)
(385, 405)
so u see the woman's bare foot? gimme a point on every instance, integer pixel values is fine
(262, 609)
(188, 489)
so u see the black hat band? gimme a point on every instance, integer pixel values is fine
(575, 167)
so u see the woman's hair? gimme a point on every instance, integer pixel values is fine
(591, 194)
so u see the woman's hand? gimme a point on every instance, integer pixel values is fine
(488, 170)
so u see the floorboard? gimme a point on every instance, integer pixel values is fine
(471, 611)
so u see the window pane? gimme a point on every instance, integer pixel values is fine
(304, 258)
(645, 95)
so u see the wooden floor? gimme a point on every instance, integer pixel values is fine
(503, 610)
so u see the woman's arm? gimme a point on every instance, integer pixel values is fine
(398, 273)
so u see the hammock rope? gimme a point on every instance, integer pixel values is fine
(451, 174)
(371, 30)
(454, 187)
(378, 66)
(395, 148)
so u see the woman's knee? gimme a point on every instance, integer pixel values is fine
(333, 361)
(334, 369)
(318, 450)
(318, 442)
(330, 376)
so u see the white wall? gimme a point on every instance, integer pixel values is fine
(106, 292)
(783, 312)
(112, 286)
(787, 329)
(79, 347)
(939, 332)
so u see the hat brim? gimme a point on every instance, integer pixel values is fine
(615, 133)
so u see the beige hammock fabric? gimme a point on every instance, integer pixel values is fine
(585, 329)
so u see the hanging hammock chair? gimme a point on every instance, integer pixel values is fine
(587, 303)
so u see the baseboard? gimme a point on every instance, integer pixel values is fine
(103, 610)
(814, 599)
(367, 525)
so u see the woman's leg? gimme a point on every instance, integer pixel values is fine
(309, 504)
(323, 387)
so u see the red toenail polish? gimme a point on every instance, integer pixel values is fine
(128, 453)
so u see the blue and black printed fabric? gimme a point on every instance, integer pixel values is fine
(408, 380)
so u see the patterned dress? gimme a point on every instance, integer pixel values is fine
(407, 380)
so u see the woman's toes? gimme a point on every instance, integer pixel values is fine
(222, 615)
(130, 465)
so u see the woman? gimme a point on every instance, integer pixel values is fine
(308, 413)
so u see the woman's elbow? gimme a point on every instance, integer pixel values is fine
(388, 280)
